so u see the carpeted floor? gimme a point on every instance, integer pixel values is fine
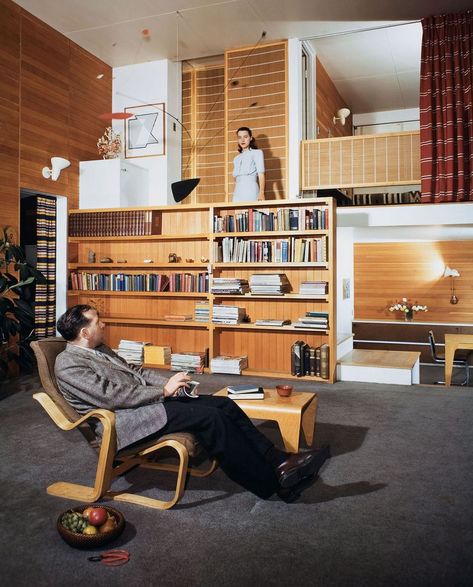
(392, 507)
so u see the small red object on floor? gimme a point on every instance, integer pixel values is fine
(111, 558)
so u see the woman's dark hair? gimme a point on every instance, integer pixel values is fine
(252, 141)
(73, 320)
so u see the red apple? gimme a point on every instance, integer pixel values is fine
(97, 516)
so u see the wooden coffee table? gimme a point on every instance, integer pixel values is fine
(291, 413)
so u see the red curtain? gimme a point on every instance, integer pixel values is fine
(446, 108)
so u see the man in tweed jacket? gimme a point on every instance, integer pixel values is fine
(90, 375)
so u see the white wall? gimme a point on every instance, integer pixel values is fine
(152, 83)
(294, 115)
(386, 121)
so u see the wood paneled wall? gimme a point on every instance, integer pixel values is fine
(203, 155)
(386, 272)
(328, 102)
(50, 100)
(9, 111)
(259, 76)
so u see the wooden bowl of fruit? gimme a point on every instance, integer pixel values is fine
(90, 526)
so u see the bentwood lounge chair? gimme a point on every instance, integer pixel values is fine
(110, 463)
(461, 361)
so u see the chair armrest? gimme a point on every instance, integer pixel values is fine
(105, 416)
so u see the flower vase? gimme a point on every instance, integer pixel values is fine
(409, 315)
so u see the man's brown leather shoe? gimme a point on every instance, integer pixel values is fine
(300, 465)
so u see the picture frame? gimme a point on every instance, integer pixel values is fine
(145, 131)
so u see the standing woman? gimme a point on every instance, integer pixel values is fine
(248, 168)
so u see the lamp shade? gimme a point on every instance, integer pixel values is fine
(450, 272)
(181, 189)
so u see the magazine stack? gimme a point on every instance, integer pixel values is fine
(275, 284)
(131, 351)
(231, 365)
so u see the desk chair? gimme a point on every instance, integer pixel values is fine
(440, 359)
(111, 463)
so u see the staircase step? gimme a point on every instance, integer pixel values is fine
(372, 366)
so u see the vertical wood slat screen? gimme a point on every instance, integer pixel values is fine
(187, 117)
(203, 115)
(259, 75)
(361, 161)
(386, 272)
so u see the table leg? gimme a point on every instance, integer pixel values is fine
(290, 427)
(449, 354)
(308, 421)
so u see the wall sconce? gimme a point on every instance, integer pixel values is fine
(57, 165)
(341, 115)
(452, 273)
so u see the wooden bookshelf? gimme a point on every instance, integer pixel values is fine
(188, 231)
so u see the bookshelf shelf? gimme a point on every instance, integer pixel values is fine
(250, 326)
(267, 264)
(147, 294)
(285, 297)
(271, 233)
(194, 232)
(134, 266)
(149, 237)
(155, 322)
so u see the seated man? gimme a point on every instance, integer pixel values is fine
(90, 375)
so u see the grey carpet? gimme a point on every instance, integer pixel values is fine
(393, 506)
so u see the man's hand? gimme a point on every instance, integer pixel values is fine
(174, 383)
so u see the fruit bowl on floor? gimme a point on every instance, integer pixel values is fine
(79, 540)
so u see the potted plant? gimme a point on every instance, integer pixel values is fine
(17, 321)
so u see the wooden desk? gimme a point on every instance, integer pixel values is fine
(452, 343)
(291, 413)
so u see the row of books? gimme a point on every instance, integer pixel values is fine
(307, 360)
(253, 220)
(119, 223)
(289, 250)
(176, 282)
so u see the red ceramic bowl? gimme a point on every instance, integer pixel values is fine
(284, 390)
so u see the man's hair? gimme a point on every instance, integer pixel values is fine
(73, 320)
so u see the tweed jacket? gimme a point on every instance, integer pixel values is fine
(88, 381)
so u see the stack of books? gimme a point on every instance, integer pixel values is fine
(193, 362)
(201, 311)
(313, 288)
(313, 320)
(236, 392)
(231, 365)
(157, 355)
(131, 351)
(275, 284)
(228, 314)
(229, 285)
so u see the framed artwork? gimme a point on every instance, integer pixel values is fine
(145, 131)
